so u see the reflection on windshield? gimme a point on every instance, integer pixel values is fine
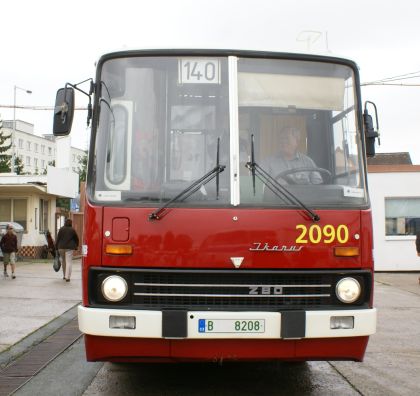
(302, 116)
(276, 187)
(158, 132)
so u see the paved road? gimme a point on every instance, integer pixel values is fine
(392, 361)
(391, 365)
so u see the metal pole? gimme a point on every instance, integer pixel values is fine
(13, 167)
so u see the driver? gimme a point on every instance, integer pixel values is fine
(289, 158)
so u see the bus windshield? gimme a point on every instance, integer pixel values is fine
(164, 122)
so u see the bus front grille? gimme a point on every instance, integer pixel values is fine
(267, 290)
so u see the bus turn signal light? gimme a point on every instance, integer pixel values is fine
(344, 251)
(119, 249)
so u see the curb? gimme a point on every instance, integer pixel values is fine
(35, 338)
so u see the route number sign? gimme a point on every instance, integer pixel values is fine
(199, 71)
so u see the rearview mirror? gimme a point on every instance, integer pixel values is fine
(63, 111)
(370, 133)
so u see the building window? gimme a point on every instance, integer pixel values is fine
(42, 149)
(36, 162)
(21, 143)
(14, 210)
(5, 209)
(42, 164)
(49, 151)
(28, 146)
(402, 216)
(20, 212)
(28, 161)
(43, 215)
(36, 147)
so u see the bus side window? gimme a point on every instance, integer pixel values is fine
(117, 155)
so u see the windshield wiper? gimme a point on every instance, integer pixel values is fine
(192, 188)
(277, 188)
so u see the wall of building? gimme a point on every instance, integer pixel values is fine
(36, 151)
(33, 238)
(393, 253)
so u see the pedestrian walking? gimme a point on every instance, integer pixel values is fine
(67, 241)
(8, 245)
(51, 246)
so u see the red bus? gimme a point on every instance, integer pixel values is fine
(227, 214)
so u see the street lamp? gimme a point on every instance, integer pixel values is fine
(14, 126)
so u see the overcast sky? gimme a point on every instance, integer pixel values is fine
(45, 43)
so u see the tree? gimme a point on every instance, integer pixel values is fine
(19, 168)
(50, 163)
(4, 147)
(83, 168)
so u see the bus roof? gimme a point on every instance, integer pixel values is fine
(154, 51)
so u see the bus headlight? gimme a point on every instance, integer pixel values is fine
(348, 290)
(114, 288)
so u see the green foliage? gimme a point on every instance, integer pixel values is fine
(63, 203)
(6, 159)
(83, 168)
(50, 163)
(19, 168)
(4, 147)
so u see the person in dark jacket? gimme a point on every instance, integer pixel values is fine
(51, 247)
(67, 241)
(8, 246)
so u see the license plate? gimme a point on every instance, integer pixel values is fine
(231, 326)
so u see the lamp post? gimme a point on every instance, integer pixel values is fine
(13, 167)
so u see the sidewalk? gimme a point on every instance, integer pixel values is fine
(392, 360)
(36, 297)
(408, 281)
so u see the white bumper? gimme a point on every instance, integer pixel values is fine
(95, 321)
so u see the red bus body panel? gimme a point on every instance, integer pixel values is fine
(162, 350)
(207, 239)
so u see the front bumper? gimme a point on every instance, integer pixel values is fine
(186, 324)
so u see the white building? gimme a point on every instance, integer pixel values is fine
(30, 199)
(395, 199)
(35, 151)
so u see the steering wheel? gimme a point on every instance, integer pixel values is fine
(285, 175)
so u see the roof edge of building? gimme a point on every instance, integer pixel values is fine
(393, 168)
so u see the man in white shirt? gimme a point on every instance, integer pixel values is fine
(288, 157)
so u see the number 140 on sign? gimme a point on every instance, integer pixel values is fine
(199, 71)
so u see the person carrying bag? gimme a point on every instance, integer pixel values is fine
(57, 262)
(67, 241)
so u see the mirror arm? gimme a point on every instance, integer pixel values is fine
(89, 95)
